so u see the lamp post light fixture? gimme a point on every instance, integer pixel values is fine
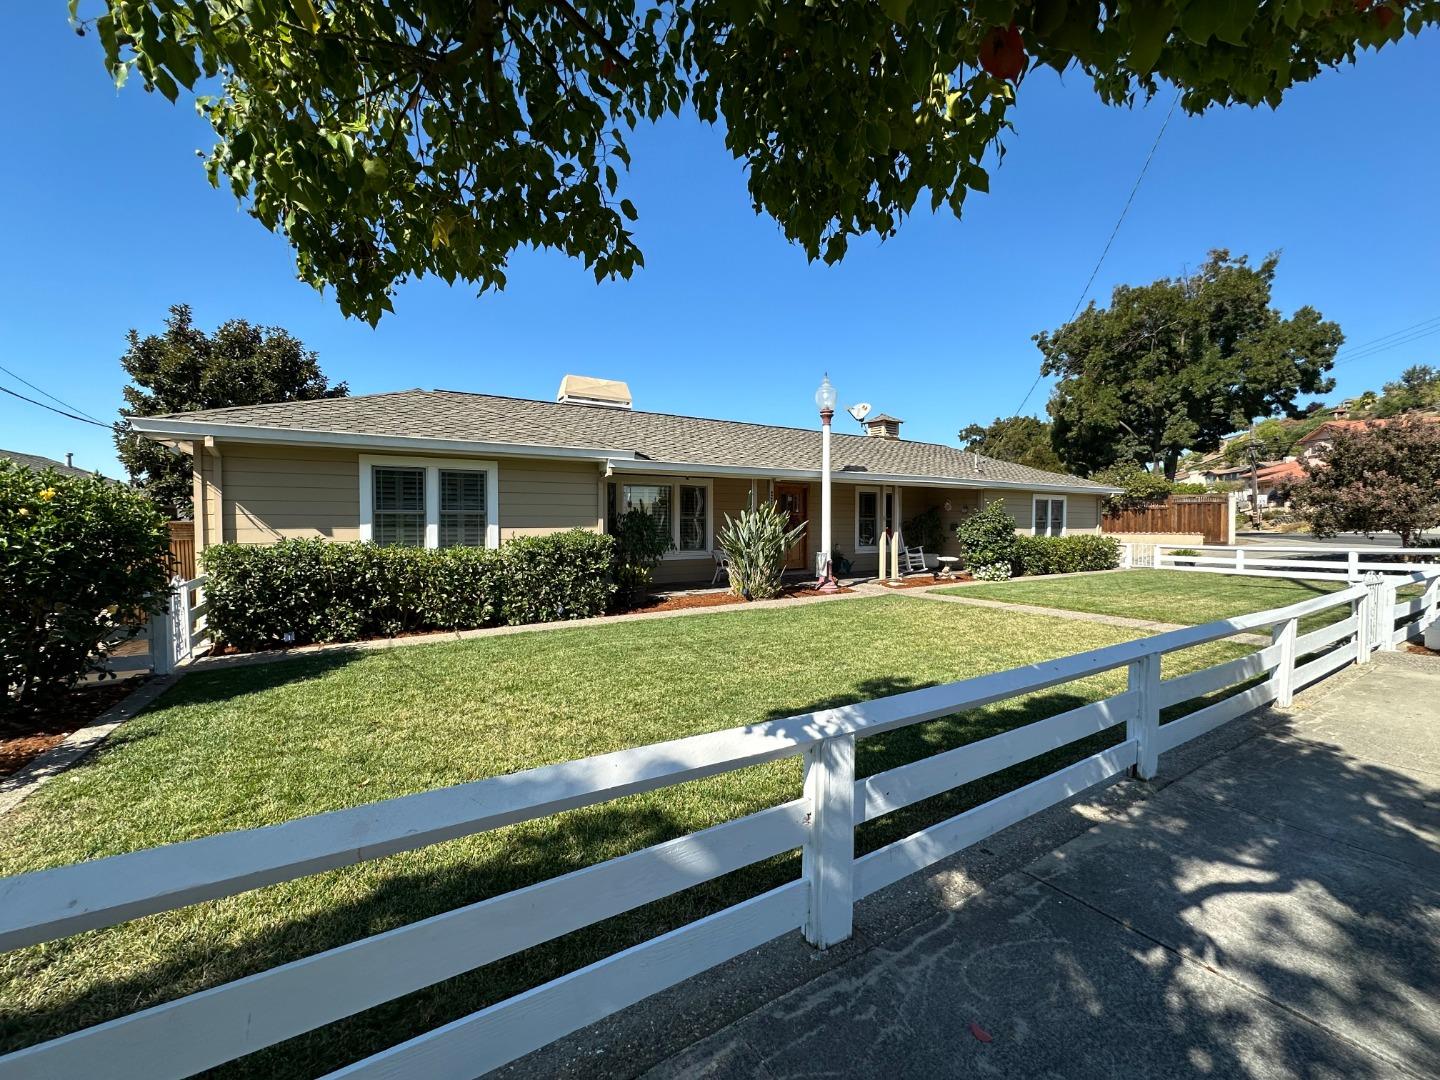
(825, 398)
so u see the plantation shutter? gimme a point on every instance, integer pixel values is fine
(398, 506)
(462, 509)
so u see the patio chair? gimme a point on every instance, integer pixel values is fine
(722, 565)
(912, 560)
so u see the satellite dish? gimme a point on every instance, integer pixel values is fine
(859, 412)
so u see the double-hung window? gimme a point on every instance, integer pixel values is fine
(398, 506)
(867, 520)
(462, 508)
(682, 510)
(1049, 515)
(428, 502)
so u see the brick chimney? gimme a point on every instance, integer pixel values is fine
(883, 426)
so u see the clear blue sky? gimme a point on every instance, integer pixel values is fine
(109, 220)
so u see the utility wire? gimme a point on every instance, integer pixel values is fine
(52, 397)
(1113, 232)
(61, 412)
(1390, 341)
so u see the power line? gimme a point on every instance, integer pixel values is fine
(46, 393)
(61, 412)
(1113, 232)
(1390, 341)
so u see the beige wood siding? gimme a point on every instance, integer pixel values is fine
(1083, 514)
(539, 496)
(270, 493)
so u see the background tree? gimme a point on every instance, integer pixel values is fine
(1141, 486)
(1178, 364)
(1024, 440)
(1417, 389)
(1383, 479)
(395, 138)
(185, 368)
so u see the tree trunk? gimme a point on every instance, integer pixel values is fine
(1172, 461)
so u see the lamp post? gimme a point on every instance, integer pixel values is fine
(825, 399)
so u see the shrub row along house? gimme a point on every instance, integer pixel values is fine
(442, 468)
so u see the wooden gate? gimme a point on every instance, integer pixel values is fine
(1205, 514)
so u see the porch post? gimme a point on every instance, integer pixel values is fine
(895, 545)
(754, 493)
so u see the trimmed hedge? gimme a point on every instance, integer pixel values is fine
(297, 592)
(1036, 555)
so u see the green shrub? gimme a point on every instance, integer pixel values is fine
(568, 575)
(756, 543)
(641, 541)
(81, 560)
(303, 591)
(987, 537)
(1065, 554)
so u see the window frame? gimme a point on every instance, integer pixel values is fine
(879, 521)
(433, 467)
(1064, 502)
(674, 483)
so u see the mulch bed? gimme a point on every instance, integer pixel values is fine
(924, 581)
(1421, 649)
(19, 744)
(681, 601)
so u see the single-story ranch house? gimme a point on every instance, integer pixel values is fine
(442, 467)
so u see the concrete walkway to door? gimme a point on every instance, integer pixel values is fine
(1273, 913)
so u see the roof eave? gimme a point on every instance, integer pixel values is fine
(168, 429)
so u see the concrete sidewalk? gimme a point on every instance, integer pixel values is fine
(1273, 913)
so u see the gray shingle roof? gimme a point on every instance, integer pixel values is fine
(455, 415)
(35, 461)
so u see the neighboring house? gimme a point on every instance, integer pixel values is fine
(1276, 479)
(35, 461)
(1318, 442)
(441, 467)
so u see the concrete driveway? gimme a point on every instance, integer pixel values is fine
(1273, 913)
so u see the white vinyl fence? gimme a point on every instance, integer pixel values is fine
(181, 632)
(1274, 560)
(217, 1025)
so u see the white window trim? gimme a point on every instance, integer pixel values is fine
(1064, 500)
(879, 520)
(675, 483)
(432, 467)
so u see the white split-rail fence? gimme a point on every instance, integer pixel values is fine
(217, 1025)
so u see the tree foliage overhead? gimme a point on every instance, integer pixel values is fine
(1178, 364)
(1024, 440)
(185, 368)
(1382, 479)
(395, 138)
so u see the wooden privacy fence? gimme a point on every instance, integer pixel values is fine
(182, 549)
(208, 1028)
(1208, 515)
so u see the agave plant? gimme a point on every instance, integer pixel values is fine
(756, 543)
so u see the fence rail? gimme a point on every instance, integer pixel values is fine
(217, 1025)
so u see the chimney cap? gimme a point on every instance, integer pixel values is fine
(587, 390)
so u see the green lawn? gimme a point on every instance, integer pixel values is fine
(254, 746)
(1174, 596)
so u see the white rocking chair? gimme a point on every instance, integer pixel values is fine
(912, 560)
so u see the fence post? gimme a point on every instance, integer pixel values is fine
(1386, 606)
(1157, 557)
(1239, 559)
(162, 639)
(1284, 635)
(1143, 725)
(828, 859)
(1127, 556)
(1352, 570)
(182, 620)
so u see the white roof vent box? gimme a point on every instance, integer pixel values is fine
(585, 390)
